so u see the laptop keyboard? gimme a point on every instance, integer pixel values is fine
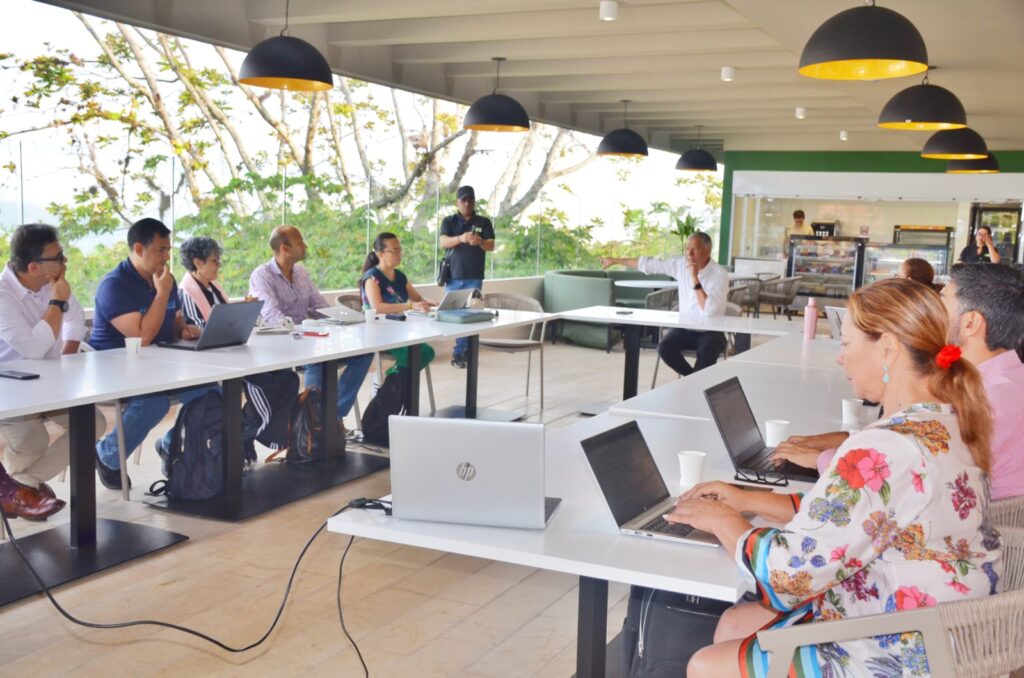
(662, 526)
(768, 465)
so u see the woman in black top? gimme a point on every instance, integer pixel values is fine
(983, 250)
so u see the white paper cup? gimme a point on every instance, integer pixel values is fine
(852, 410)
(371, 315)
(691, 468)
(132, 346)
(870, 413)
(775, 431)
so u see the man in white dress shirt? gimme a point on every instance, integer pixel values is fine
(39, 320)
(703, 287)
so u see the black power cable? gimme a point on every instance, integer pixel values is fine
(356, 503)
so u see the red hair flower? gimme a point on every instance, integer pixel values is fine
(947, 356)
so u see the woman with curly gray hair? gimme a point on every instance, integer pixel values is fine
(270, 396)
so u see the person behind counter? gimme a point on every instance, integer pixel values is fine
(983, 251)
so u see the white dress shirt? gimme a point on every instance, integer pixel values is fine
(23, 333)
(713, 278)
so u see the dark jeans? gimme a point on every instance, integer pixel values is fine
(707, 344)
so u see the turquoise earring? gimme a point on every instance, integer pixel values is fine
(885, 377)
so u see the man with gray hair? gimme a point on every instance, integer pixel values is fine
(703, 288)
(985, 303)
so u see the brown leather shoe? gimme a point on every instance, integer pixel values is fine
(43, 489)
(31, 505)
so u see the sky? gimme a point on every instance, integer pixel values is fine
(50, 171)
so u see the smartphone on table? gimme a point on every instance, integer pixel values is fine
(20, 376)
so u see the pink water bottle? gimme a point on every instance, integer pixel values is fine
(810, 319)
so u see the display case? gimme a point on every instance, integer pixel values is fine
(883, 261)
(922, 235)
(830, 267)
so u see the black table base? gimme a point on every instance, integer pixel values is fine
(271, 485)
(116, 542)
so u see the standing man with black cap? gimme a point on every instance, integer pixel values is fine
(467, 236)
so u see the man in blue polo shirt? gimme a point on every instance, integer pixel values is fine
(139, 298)
(468, 237)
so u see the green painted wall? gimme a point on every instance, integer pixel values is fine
(830, 161)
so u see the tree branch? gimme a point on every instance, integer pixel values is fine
(424, 163)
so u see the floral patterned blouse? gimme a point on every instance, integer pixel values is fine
(898, 521)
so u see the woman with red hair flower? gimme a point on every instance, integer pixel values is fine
(896, 521)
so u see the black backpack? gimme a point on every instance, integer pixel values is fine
(306, 430)
(662, 630)
(391, 398)
(194, 464)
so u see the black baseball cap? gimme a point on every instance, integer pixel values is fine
(465, 192)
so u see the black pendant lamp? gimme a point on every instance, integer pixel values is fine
(697, 159)
(496, 112)
(987, 165)
(955, 144)
(624, 142)
(923, 107)
(284, 62)
(864, 43)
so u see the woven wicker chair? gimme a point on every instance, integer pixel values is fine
(730, 339)
(1007, 512)
(746, 293)
(972, 638)
(780, 294)
(535, 341)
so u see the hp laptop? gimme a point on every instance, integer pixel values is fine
(750, 456)
(343, 314)
(452, 300)
(633, 488)
(835, 315)
(469, 471)
(228, 325)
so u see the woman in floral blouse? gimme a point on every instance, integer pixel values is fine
(897, 521)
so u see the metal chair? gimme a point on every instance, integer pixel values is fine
(975, 637)
(355, 302)
(780, 294)
(518, 302)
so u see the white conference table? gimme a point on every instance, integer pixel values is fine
(794, 351)
(633, 320)
(582, 538)
(76, 383)
(809, 398)
(268, 486)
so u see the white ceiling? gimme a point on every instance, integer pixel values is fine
(569, 68)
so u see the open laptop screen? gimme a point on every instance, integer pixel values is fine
(735, 420)
(626, 472)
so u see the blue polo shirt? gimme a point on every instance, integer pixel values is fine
(122, 291)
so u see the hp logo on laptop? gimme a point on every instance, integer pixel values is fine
(465, 471)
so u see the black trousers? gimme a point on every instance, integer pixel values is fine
(707, 344)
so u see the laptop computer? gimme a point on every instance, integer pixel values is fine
(633, 487)
(452, 300)
(750, 456)
(469, 471)
(228, 325)
(835, 315)
(343, 314)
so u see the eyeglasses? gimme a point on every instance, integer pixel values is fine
(59, 257)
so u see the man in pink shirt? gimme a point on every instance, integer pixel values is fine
(985, 303)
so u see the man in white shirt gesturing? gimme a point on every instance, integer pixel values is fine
(703, 287)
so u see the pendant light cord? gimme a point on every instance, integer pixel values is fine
(497, 76)
(287, 7)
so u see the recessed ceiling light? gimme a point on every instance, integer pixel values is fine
(728, 73)
(609, 10)
(801, 112)
(842, 135)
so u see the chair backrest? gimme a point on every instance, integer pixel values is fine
(508, 301)
(1012, 539)
(353, 301)
(1007, 512)
(733, 309)
(765, 276)
(662, 300)
(986, 634)
(741, 282)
